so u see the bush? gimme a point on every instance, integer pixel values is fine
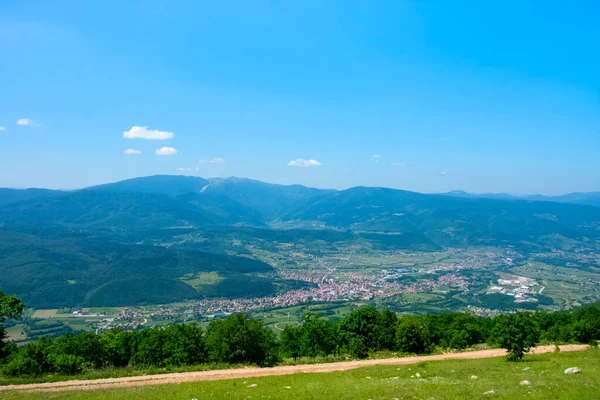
(67, 364)
(357, 347)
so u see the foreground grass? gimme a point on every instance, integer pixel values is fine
(140, 371)
(439, 380)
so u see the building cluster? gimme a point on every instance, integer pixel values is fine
(519, 287)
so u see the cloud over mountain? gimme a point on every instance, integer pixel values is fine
(302, 163)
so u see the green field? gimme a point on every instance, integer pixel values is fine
(439, 380)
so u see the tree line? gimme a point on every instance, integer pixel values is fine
(241, 339)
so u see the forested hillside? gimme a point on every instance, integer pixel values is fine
(143, 240)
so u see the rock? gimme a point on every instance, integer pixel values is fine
(418, 375)
(474, 377)
(253, 385)
(490, 392)
(368, 377)
(526, 369)
(572, 370)
(287, 387)
(525, 383)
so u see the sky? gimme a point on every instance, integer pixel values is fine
(431, 96)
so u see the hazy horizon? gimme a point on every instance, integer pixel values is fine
(285, 184)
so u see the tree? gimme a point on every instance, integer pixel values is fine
(412, 335)
(239, 339)
(289, 342)
(387, 322)
(357, 347)
(587, 325)
(10, 307)
(362, 323)
(317, 336)
(517, 333)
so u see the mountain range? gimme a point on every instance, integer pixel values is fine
(591, 198)
(194, 202)
(117, 243)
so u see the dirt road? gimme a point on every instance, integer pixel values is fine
(256, 372)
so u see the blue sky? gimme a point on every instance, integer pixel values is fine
(492, 96)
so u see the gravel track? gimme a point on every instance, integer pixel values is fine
(253, 372)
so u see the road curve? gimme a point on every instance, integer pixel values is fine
(257, 372)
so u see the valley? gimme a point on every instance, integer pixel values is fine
(157, 250)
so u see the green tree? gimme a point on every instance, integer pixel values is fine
(10, 307)
(317, 336)
(587, 325)
(517, 333)
(363, 323)
(412, 335)
(239, 339)
(357, 347)
(289, 342)
(387, 322)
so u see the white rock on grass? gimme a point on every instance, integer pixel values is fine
(287, 387)
(525, 383)
(253, 385)
(572, 370)
(490, 392)
(474, 377)
(418, 375)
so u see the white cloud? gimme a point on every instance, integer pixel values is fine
(301, 162)
(166, 151)
(132, 151)
(398, 164)
(142, 132)
(2, 128)
(443, 173)
(27, 122)
(184, 169)
(216, 160)
(376, 156)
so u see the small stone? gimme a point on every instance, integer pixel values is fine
(572, 370)
(287, 387)
(490, 392)
(253, 385)
(525, 383)
(368, 377)
(412, 376)
(418, 375)
(474, 377)
(526, 369)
